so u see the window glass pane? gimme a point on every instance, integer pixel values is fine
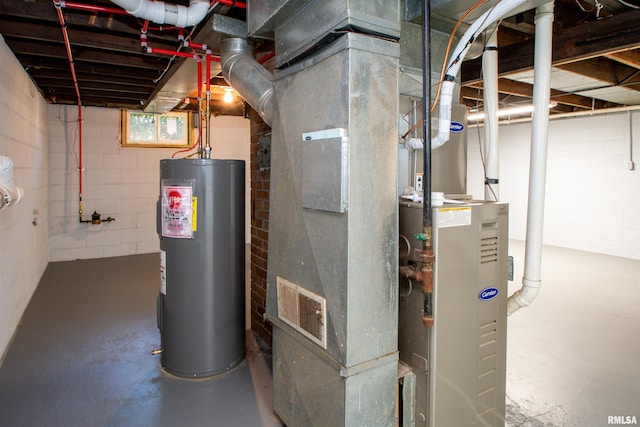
(171, 128)
(142, 127)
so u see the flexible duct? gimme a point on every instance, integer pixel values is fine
(490, 97)
(10, 194)
(446, 98)
(250, 79)
(538, 164)
(164, 13)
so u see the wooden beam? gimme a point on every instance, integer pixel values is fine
(46, 32)
(513, 87)
(45, 12)
(58, 51)
(609, 72)
(608, 35)
(628, 57)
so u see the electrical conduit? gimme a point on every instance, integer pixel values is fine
(538, 164)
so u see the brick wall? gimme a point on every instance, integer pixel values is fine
(259, 232)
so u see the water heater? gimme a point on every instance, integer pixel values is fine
(201, 301)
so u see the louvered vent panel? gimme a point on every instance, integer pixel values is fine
(489, 250)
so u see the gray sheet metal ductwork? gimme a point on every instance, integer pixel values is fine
(250, 79)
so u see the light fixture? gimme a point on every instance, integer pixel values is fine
(505, 112)
(228, 95)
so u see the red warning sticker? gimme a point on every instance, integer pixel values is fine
(177, 212)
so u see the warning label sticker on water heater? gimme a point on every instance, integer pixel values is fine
(177, 211)
(454, 217)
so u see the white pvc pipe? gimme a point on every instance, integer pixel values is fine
(10, 194)
(164, 13)
(490, 98)
(538, 164)
(486, 19)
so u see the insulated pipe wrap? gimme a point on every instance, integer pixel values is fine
(250, 79)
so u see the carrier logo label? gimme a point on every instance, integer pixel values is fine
(488, 293)
(456, 127)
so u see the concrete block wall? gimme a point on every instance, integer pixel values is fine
(23, 228)
(592, 201)
(121, 182)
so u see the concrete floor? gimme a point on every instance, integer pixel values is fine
(81, 355)
(573, 355)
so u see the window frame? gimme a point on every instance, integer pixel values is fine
(125, 141)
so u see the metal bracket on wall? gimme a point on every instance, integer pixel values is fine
(264, 152)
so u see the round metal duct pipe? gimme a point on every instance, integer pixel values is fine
(250, 79)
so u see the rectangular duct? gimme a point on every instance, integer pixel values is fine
(335, 236)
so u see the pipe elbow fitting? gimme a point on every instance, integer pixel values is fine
(247, 76)
(192, 15)
(524, 296)
(10, 196)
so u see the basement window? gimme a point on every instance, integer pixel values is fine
(140, 129)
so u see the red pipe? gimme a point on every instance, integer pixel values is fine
(267, 57)
(191, 44)
(171, 52)
(240, 4)
(208, 57)
(67, 43)
(92, 8)
(200, 65)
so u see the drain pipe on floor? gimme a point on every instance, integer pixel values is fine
(538, 163)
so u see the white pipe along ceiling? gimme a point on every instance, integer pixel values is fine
(488, 18)
(164, 13)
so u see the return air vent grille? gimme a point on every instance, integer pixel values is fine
(488, 250)
(303, 310)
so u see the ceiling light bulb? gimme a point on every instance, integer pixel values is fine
(228, 96)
